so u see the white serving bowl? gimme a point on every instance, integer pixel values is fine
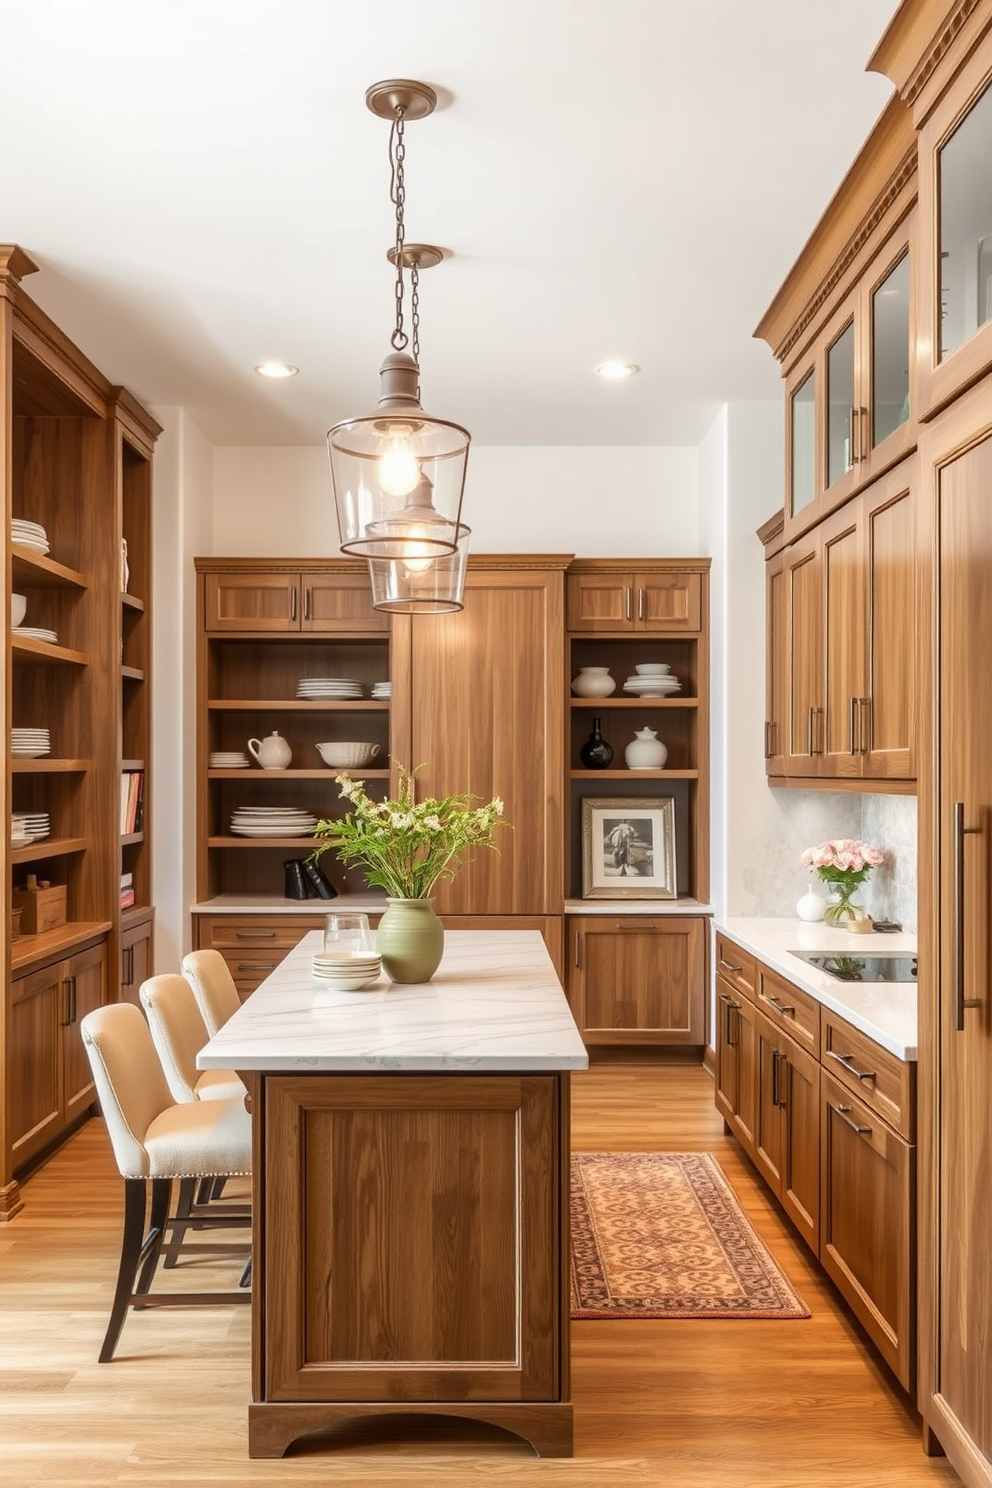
(651, 669)
(348, 756)
(18, 608)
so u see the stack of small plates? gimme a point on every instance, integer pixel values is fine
(36, 633)
(346, 973)
(28, 534)
(30, 743)
(382, 691)
(30, 826)
(652, 679)
(228, 759)
(337, 688)
(272, 821)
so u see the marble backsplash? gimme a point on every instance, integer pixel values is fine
(772, 878)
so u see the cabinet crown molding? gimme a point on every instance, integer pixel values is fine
(15, 264)
(916, 41)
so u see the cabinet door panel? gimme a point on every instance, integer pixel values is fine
(136, 959)
(252, 601)
(890, 577)
(844, 648)
(339, 602)
(87, 974)
(640, 981)
(777, 649)
(769, 1115)
(600, 602)
(488, 718)
(801, 1172)
(746, 1033)
(667, 601)
(805, 606)
(727, 1055)
(33, 1092)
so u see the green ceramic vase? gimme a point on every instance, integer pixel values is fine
(411, 940)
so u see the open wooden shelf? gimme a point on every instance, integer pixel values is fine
(49, 766)
(634, 774)
(132, 674)
(45, 654)
(598, 704)
(52, 943)
(257, 842)
(295, 705)
(49, 847)
(325, 774)
(129, 838)
(131, 602)
(35, 571)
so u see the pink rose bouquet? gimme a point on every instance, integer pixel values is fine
(844, 863)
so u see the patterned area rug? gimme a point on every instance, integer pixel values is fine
(661, 1235)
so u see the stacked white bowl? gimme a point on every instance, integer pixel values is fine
(652, 679)
(346, 973)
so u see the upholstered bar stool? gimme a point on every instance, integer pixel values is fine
(213, 987)
(157, 1141)
(179, 1033)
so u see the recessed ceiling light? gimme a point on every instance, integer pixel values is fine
(616, 371)
(276, 369)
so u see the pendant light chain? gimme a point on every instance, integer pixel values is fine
(397, 195)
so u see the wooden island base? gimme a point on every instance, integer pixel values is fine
(273, 1427)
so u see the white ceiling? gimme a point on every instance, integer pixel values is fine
(202, 187)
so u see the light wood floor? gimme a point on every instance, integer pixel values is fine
(674, 1404)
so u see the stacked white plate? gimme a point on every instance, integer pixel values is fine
(336, 688)
(30, 743)
(346, 973)
(28, 534)
(32, 825)
(228, 759)
(652, 679)
(272, 821)
(36, 633)
(382, 691)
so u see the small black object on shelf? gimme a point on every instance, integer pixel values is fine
(296, 885)
(320, 885)
(596, 753)
(887, 927)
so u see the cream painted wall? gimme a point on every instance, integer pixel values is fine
(590, 500)
(180, 531)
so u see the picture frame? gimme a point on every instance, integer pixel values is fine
(628, 847)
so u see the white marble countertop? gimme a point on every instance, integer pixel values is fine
(494, 1003)
(885, 1011)
(618, 907)
(372, 902)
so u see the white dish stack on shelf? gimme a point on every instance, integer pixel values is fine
(346, 973)
(324, 689)
(30, 743)
(229, 759)
(382, 691)
(36, 633)
(652, 679)
(28, 534)
(29, 826)
(272, 821)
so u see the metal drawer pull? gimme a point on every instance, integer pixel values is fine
(781, 1007)
(256, 935)
(727, 967)
(778, 1056)
(255, 966)
(844, 1113)
(847, 1061)
(727, 1035)
(960, 833)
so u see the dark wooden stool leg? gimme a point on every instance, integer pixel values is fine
(161, 1199)
(187, 1191)
(131, 1245)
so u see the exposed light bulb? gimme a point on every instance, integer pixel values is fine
(418, 556)
(399, 468)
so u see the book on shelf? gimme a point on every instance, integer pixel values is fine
(127, 899)
(132, 801)
(127, 879)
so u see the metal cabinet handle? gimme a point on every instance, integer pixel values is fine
(778, 1059)
(576, 951)
(781, 1007)
(727, 967)
(640, 604)
(255, 935)
(852, 726)
(844, 1113)
(847, 1060)
(255, 966)
(66, 1018)
(809, 733)
(306, 601)
(853, 455)
(292, 603)
(960, 833)
(864, 717)
(127, 970)
(628, 604)
(864, 434)
(728, 1037)
(768, 734)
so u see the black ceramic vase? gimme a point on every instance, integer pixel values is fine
(595, 753)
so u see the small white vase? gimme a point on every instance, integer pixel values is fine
(811, 907)
(593, 682)
(645, 751)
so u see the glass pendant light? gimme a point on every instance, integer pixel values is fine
(399, 473)
(418, 585)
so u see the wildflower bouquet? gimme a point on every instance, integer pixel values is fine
(844, 863)
(405, 846)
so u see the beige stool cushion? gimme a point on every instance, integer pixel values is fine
(213, 987)
(200, 1139)
(179, 1034)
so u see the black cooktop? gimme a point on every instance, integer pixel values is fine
(885, 968)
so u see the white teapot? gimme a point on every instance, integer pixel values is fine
(272, 753)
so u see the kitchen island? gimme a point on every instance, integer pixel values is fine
(410, 1210)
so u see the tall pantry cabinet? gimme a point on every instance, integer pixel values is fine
(76, 456)
(924, 178)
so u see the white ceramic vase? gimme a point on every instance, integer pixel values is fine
(811, 907)
(593, 682)
(645, 751)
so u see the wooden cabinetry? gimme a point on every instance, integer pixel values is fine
(607, 599)
(137, 930)
(797, 1084)
(277, 599)
(75, 456)
(842, 636)
(49, 1085)
(635, 980)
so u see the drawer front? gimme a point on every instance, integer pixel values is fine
(790, 1009)
(250, 933)
(736, 966)
(884, 1083)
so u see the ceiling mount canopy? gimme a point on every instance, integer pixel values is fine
(398, 473)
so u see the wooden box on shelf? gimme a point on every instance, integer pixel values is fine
(42, 906)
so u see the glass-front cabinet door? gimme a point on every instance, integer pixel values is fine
(802, 445)
(843, 409)
(890, 347)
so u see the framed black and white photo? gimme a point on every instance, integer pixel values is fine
(628, 848)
